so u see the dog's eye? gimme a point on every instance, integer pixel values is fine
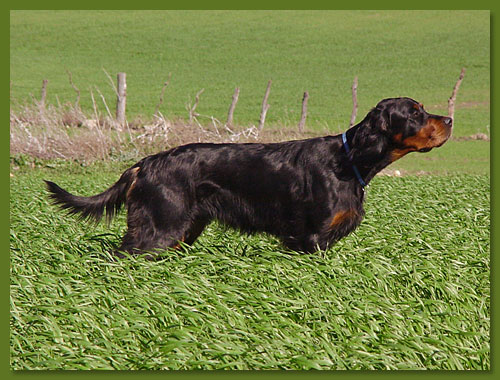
(415, 113)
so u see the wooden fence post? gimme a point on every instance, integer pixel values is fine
(121, 100)
(43, 94)
(303, 115)
(354, 102)
(232, 107)
(451, 100)
(77, 102)
(265, 106)
(157, 110)
(192, 113)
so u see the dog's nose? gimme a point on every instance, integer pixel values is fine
(448, 121)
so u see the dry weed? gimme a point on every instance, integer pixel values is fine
(66, 132)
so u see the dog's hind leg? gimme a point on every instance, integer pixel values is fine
(156, 222)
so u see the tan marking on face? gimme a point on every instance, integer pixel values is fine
(398, 137)
(418, 106)
(433, 134)
(396, 154)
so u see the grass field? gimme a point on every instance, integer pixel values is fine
(409, 289)
(402, 53)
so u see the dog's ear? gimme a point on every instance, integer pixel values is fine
(380, 119)
(369, 140)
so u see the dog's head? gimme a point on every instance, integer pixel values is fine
(402, 126)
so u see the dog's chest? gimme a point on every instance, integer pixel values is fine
(345, 215)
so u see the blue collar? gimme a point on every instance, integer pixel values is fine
(354, 168)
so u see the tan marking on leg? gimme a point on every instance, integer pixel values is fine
(178, 245)
(342, 216)
(134, 172)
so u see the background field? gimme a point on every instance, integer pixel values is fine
(406, 53)
(409, 289)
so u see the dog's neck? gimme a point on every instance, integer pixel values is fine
(369, 160)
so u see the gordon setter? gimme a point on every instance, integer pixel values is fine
(308, 192)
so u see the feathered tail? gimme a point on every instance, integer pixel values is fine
(93, 207)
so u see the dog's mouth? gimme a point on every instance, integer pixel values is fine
(424, 150)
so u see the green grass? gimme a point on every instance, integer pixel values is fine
(409, 289)
(394, 53)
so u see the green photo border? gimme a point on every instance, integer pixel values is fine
(256, 4)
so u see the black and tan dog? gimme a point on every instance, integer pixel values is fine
(309, 192)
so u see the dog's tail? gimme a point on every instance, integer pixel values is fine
(93, 207)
